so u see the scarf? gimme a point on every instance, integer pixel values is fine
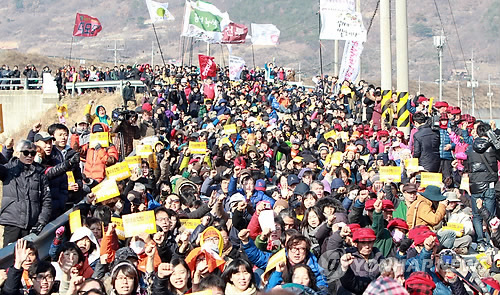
(231, 289)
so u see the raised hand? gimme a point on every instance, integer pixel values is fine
(21, 253)
(346, 260)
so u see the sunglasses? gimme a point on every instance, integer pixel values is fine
(28, 153)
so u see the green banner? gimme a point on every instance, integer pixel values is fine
(205, 20)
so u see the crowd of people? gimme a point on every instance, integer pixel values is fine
(255, 186)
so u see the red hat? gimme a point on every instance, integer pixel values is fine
(383, 133)
(420, 234)
(491, 282)
(399, 223)
(387, 205)
(354, 226)
(364, 235)
(400, 133)
(422, 99)
(369, 204)
(455, 111)
(146, 107)
(193, 161)
(420, 283)
(240, 162)
(441, 104)
(444, 117)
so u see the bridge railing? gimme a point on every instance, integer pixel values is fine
(20, 83)
(118, 84)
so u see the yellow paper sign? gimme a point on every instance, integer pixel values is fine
(344, 136)
(483, 259)
(411, 163)
(190, 223)
(431, 102)
(106, 190)
(390, 173)
(329, 134)
(276, 259)
(120, 231)
(225, 140)
(336, 159)
(137, 223)
(75, 221)
(144, 151)
(199, 148)
(428, 178)
(119, 171)
(71, 178)
(133, 162)
(101, 138)
(230, 129)
(456, 227)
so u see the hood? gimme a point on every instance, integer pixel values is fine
(181, 183)
(97, 108)
(212, 232)
(481, 144)
(86, 232)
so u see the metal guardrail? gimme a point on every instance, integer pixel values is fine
(119, 84)
(42, 241)
(24, 83)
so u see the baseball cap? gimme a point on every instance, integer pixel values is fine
(43, 136)
(292, 179)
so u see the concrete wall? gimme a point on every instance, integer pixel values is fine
(20, 107)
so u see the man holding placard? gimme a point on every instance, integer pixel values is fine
(100, 153)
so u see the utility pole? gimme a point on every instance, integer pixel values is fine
(385, 58)
(358, 9)
(115, 50)
(459, 101)
(402, 65)
(439, 42)
(490, 96)
(336, 58)
(472, 84)
(152, 53)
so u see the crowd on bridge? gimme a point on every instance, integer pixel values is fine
(251, 187)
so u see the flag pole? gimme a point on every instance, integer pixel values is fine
(183, 45)
(222, 54)
(321, 56)
(159, 46)
(71, 50)
(253, 57)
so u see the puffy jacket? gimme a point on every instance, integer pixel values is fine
(444, 139)
(480, 176)
(98, 159)
(26, 195)
(426, 148)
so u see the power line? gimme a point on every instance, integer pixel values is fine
(444, 33)
(373, 16)
(458, 36)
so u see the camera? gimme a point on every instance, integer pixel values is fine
(121, 114)
(494, 139)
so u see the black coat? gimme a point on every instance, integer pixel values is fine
(480, 176)
(26, 195)
(426, 148)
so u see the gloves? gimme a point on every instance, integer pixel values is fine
(60, 232)
(405, 245)
(37, 229)
(75, 159)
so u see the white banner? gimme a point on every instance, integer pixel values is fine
(265, 34)
(341, 22)
(204, 21)
(158, 11)
(349, 69)
(236, 65)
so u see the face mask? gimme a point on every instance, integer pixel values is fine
(397, 235)
(138, 246)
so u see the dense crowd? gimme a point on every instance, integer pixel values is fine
(255, 186)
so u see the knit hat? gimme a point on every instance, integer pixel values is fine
(364, 235)
(419, 234)
(281, 203)
(441, 104)
(387, 205)
(398, 223)
(420, 283)
(369, 204)
(385, 286)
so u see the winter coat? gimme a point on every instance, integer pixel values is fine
(129, 133)
(444, 140)
(421, 213)
(426, 148)
(361, 272)
(98, 159)
(480, 176)
(26, 195)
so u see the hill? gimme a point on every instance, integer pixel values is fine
(45, 27)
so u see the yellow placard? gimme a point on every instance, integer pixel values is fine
(297, 159)
(120, 231)
(483, 259)
(431, 102)
(101, 138)
(230, 129)
(106, 190)
(344, 136)
(144, 150)
(456, 227)
(428, 178)
(199, 148)
(390, 173)
(225, 140)
(119, 171)
(336, 159)
(190, 223)
(133, 162)
(280, 256)
(137, 223)
(330, 134)
(411, 163)
(71, 178)
(75, 221)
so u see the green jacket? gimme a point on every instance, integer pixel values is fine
(400, 211)
(384, 238)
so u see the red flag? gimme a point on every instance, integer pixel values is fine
(234, 34)
(86, 26)
(207, 66)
